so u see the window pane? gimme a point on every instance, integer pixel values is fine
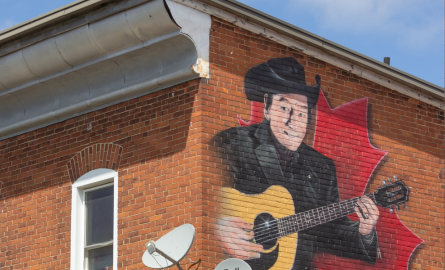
(100, 258)
(99, 215)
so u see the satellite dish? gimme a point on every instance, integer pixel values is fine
(233, 264)
(170, 249)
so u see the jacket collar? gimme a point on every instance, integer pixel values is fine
(263, 133)
(265, 136)
(267, 155)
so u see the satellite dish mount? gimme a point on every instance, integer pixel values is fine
(151, 248)
(170, 249)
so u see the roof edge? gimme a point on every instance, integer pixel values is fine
(245, 12)
(123, 56)
(48, 18)
(253, 15)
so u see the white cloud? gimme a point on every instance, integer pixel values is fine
(413, 24)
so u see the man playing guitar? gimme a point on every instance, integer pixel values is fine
(273, 153)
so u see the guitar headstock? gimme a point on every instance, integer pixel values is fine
(394, 193)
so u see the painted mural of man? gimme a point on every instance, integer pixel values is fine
(273, 153)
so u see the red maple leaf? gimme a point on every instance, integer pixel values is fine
(342, 135)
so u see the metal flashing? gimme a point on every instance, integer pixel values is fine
(123, 56)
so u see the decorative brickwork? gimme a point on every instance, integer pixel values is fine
(101, 155)
(159, 177)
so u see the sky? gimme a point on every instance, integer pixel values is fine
(410, 32)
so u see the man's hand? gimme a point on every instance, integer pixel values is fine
(235, 236)
(370, 215)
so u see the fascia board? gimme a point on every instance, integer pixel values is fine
(248, 13)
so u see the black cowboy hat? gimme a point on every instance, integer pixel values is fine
(278, 76)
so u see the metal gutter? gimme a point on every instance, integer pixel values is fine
(86, 11)
(60, 20)
(128, 54)
(39, 28)
(49, 18)
(253, 15)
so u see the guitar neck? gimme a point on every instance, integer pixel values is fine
(304, 220)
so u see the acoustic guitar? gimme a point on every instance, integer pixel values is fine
(276, 225)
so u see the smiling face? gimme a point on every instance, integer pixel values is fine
(288, 116)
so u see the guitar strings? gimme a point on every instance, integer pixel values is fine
(260, 239)
(339, 204)
(303, 213)
(326, 206)
(297, 226)
(353, 200)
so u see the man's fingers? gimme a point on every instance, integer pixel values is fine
(237, 252)
(241, 234)
(359, 214)
(371, 207)
(235, 236)
(369, 203)
(235, 223)
(244, 225)
(368, 214)
(364, 209)
(242, 254)
(243, 243)
(239, 229)
(247, 235)
(244, 248)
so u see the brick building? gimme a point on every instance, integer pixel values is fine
(121, 120)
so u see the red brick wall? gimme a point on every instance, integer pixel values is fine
(159, 184)
(168, 173)
(411, 131)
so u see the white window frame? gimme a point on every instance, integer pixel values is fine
(92, 179)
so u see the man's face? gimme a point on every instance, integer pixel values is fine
(288, 116)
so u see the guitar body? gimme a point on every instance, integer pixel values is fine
(272, 213)
(276, 202)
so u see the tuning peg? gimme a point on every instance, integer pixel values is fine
(397, 207)
(384, 182)
(389, 180)
(404, 205)
(395, 178)
(390, 210)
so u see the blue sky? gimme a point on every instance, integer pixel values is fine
(411, 32)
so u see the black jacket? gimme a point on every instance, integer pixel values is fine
(310, 177)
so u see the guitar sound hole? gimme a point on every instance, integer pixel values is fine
(266, 230)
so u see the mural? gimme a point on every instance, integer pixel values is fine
(293, 206)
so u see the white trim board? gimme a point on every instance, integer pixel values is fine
(93, 178)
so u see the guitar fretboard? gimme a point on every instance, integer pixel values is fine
(304, 220)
